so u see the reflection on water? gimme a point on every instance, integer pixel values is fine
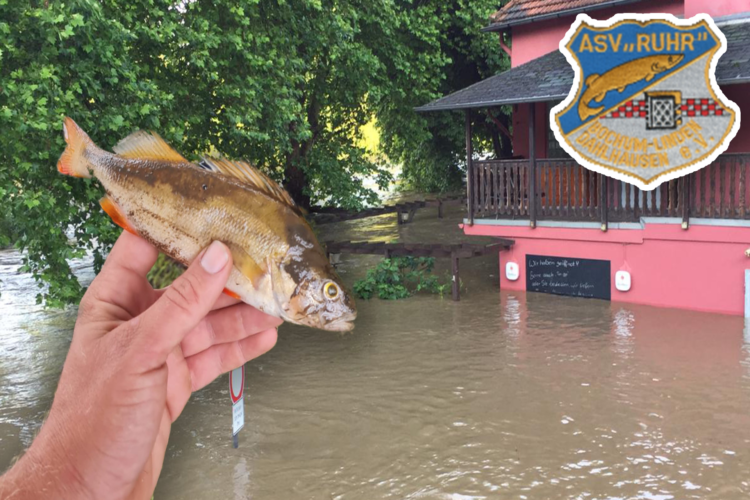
(503, 395)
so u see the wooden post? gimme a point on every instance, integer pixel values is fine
(603, 201)
(532, 164)
(440, 208)
(456, 284)
(412, 212)
(685, 200)
(469, 177)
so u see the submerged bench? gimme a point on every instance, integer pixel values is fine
(455, 252)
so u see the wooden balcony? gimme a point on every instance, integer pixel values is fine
(565, 191)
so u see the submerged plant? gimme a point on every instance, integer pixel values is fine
(399, 278)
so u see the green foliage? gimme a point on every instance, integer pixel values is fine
(164, 272)
(438, 48)
(59, 59)
(8, 230)
(287, 85)
(284, 85)
(399, 278)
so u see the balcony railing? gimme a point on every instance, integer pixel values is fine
(565, 191)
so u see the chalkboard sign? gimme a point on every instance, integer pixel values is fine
(568, 276)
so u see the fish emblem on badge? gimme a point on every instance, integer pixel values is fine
(644, 107)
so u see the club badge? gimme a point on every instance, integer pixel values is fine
(644, 107)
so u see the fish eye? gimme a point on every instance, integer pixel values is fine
(331, 290)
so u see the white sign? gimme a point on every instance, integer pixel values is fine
(238, 416)
(236, 391)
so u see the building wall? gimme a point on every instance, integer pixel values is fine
(535, 39)
(715, 8)
(701, 268)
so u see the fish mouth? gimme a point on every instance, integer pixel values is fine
(340, 325)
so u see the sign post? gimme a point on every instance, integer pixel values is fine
(237, 391)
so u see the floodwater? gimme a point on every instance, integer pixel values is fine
(502, 395)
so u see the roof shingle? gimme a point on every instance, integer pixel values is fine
(524, 11)
(549, 78)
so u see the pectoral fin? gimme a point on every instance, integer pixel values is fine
(116, 213)
(247, 266)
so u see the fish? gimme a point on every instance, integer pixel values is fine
(180, 207)
(620, 77)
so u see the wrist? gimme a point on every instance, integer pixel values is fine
(44, 471)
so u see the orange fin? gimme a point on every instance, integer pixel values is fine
(115, 212)
(71, 161)
(231, 294)
(246, 173)
(147, 145)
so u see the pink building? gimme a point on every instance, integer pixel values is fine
(681, 245)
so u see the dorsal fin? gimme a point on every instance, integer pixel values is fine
(246, 173)
(147, 145)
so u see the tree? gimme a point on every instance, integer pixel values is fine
(442, 51)
(55, 60)
(286, 85)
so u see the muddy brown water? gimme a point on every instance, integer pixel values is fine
(502, 395)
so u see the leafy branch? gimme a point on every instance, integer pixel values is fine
(399, 278)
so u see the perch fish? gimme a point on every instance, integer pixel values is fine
(181, 207)
(619, 77)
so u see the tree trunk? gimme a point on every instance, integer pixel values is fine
(295, 181)
(507, 144)
(497, 145)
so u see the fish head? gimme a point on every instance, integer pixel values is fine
(666, 62)
(309, 292)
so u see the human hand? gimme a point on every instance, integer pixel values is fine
(136, 356)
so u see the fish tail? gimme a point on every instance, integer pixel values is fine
(585, 111)
(72, 162)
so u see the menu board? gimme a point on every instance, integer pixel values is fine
(569, 276)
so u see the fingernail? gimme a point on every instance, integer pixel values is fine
(215, 258)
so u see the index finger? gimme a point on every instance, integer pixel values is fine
(132, 253)
(122, 281)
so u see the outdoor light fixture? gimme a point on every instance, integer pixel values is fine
(622, 281)
(511, 271)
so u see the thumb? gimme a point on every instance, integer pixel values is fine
(184, 304)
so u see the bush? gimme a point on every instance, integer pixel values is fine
(8, 231)
(164, 272)
(399, 278)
